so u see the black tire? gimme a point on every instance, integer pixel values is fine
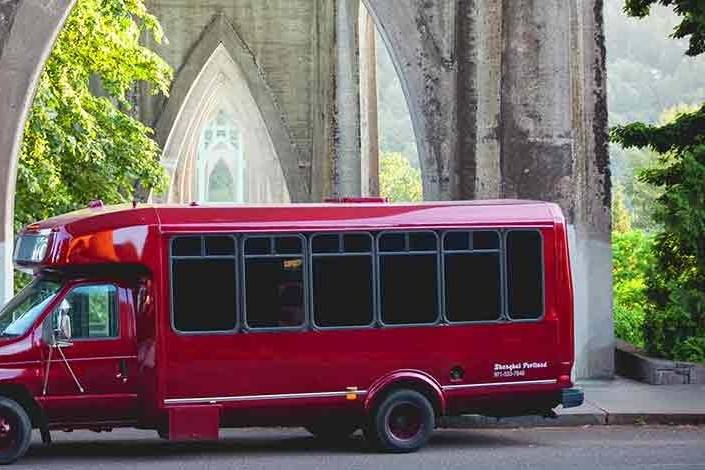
(331, 431)
(402, 422)
(15, 431)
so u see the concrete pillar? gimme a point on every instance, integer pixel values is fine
(467, 92)
(591, 253)
(553, 141)
(488, 174)
(322, 108)
(369, 125)
(347, 180)
(27, 32)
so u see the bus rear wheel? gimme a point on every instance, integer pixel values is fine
(15, 431)
(332, 431)
(402, 422)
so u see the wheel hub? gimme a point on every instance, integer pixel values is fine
(405, 421)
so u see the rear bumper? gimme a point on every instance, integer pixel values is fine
(572, 397)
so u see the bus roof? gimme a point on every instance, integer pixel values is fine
(307, 216)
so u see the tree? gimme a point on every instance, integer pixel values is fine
(620, 215)
(632, 256)
(398, 180)
(675, 316)
(80, 145)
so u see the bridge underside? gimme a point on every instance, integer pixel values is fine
(507, 99)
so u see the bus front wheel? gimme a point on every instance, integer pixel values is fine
(402, 422)
(15, 431)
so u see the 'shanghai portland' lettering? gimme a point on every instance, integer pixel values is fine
(521, 365)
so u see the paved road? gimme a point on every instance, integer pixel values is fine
(589, 448)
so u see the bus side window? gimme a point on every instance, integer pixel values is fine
(204, 284)
(342, 280)
(472, 276)
(408, 278)
(87, 312)
(525, 274)
(274, 282)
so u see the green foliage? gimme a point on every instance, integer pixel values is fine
(675, 318)
(632, 258)
(398, 180)
(620, 216)
(675, 283)
(647, 73)
(78, 144)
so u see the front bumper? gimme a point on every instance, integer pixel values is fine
(572, 397)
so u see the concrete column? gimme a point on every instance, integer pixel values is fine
(347, 180)
(591, 253)
(27, 32)
(322, 108)
(465, 52)
(553, 140)
(488, 174)
(369, 126)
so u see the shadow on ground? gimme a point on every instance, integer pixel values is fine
(265, 443)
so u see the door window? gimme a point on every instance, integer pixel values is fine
(87, 312)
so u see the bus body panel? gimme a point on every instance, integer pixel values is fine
(278, 377)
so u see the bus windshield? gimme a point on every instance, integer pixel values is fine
(22, 311)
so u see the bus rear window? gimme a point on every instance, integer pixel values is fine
(524, 274)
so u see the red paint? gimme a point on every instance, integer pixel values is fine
(194, 423)
(279, 377)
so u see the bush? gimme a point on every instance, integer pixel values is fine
(632, 258)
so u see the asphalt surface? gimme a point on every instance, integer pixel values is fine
(613, 447)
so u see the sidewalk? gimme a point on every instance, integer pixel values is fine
(618, 401)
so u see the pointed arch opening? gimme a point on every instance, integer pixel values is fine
(389, 138)
(219, 149)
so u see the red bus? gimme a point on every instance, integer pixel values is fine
(335, 317)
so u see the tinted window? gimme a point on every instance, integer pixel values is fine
(357, 243)
(288, 245)
(485, 240)
(186, 246)
(472, 283)
(220, 246)
(342, 289)
(408, 289)
(390, 242)
(326, 243)
(453, 241)
(422, 241)
(204, 294)
(525, 274)
(258, 246)
(274, 292)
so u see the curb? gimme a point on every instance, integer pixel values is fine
(574, 420)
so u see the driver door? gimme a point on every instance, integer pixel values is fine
(92, 361)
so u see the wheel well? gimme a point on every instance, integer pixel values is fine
(411, 384)
(22, 396)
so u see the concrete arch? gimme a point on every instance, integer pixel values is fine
(221, 85)
(424, 66)
(219, 33)
(28, 29)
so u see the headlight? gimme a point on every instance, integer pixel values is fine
(31, 247)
